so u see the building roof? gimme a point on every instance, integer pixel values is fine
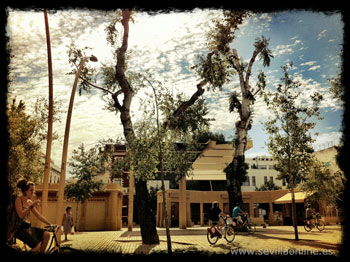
(213, 160)
(287, 198)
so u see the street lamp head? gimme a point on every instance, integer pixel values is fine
(93, 58)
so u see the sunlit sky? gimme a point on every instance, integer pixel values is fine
(167, 44)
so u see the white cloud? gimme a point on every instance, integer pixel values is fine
(314, 68)
(310, 63)
(325, 140)
(286, 49)
(321, 35)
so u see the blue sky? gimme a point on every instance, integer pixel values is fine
(168, 44)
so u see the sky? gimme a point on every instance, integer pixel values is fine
(168, 44)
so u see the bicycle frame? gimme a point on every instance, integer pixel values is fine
(227, 232)
(57, 245)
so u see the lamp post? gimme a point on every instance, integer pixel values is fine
(49, 130)
(59, 212)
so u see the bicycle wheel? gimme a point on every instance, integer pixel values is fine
(307, 227)
(320, 225)
(212, 239)
(229, 234)
(251, 228)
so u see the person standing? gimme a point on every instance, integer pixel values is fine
(67, 222)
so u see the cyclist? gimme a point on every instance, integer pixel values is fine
(237, 212)
(36, 238)
(309, 213)
(214, 215)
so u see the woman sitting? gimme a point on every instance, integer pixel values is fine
(36, 238)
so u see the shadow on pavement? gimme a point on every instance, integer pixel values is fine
(184, 232)
(277, 235)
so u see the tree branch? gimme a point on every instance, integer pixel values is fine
(186, 104)
(249, 70)
(120, 67)
(95, 86)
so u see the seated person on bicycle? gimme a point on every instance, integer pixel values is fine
(237, 212)
(36, 238)
(309, 214)
(214, 215)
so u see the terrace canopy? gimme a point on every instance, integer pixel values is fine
(299, 196)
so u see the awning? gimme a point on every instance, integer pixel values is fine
(287, 198)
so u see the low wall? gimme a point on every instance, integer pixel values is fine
(103, 211)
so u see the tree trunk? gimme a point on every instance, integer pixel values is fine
(144, 211)
(235, 179)
(294, 215)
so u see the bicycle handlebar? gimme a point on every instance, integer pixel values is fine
(52, 228)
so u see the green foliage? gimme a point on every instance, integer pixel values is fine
(237, 171)
(192, 120)
(205, 136)
(337, 88)
(85, 167)
(321, 184)
(268, 186)
(217, 67)
(222, 34)
(290, 141)
(261, 46)
(25, 135)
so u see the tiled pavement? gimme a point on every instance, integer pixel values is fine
(271, 239)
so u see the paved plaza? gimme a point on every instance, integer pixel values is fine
(277, 240)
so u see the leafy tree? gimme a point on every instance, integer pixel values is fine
(206, 136)
(26, 135)
(321, 184)
(24, 145)
(86, 165)
(119, 86)
(290, 140)
(268, 186)
(221, 69)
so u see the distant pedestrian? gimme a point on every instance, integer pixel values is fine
(67, 222)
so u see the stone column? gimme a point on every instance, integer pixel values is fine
(201, 214)
(271, 221)
(113, 213)
(131, 201)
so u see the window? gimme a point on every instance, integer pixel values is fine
(265, 179)
(247, 182)
(271, 179)
(253, 181)
(262, 166)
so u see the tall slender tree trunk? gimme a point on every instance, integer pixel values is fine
(49, 131)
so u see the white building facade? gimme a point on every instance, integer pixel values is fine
(261, 170)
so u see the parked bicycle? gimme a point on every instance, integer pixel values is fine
(245, 226)
(315, 222)
(57, 248)
(214, 233)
